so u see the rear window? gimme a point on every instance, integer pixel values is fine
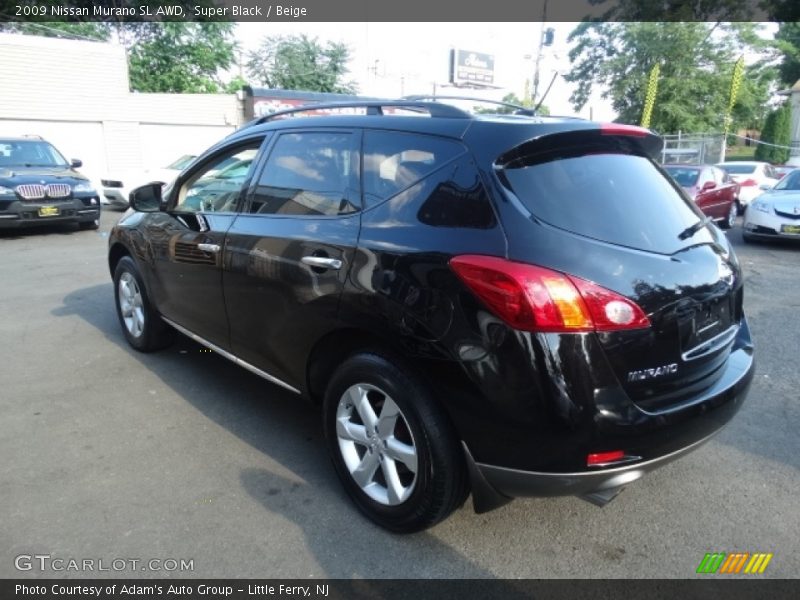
(618, 198)
(684, 177)
(738, 169)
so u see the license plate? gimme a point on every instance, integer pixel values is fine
(790, 228)
(48, 211)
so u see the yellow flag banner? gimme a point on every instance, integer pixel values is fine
(736, 82)
(650, 98)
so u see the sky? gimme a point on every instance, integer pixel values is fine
(395, 59)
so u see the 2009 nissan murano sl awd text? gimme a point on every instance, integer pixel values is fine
(501, 305)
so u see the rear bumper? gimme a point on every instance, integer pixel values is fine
(116, 197)
(515, 484)
(658, 437)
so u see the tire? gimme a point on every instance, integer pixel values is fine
(89, 225)
(748, 238)
(729, 221)
(141, 324)
(414, 473)
(739, 207)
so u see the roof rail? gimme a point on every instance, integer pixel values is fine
(374, 107)
(518, 110)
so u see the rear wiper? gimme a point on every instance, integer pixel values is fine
(692, 229)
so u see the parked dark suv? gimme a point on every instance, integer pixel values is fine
(39, 187)
(505, 305)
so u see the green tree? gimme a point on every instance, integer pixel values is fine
(696, 61)
(182, 57)
(763, 151)
(777, 135)
(787, 41)
(510, 98)
(297, 62)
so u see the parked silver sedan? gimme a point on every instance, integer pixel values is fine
(776, 212)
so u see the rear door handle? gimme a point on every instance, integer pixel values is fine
(322, 262)
(209, 247)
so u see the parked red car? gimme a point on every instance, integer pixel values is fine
(711, 188)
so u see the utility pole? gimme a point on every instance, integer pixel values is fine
(539, 56)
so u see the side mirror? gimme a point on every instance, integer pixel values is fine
(76, 163)
(765, 186)
(146, 198)
(709, 185)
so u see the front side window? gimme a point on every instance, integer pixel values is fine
(310, 173)
(217, 185)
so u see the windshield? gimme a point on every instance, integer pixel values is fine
(618, 198)
(790, 182)
(182, 162)
(685, 177)
(738, 169)
(29, 153)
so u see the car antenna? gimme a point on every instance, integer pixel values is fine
(547, 91)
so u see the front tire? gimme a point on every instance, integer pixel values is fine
(141, 324)
(392, 445)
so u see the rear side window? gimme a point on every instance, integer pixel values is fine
(309, 173)
(739, 169)
(618, 198)
(685, 176)
(394, 161)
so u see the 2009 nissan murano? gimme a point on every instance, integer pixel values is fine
(507, 305)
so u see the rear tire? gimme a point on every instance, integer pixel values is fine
(142, 325)
(392, 445)
(729, 221)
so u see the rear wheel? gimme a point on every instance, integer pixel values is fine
(729, 221)
(141, 324)
(392, 446)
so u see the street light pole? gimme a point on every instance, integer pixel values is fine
(539, 55)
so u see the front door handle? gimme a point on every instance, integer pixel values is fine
(322, 262)
(209, 247)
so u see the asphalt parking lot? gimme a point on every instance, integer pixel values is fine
(111, 454)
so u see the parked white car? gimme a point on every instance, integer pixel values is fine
(117, 187)
(775, 213)
(753, 177)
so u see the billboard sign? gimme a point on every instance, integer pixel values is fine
(471, 68)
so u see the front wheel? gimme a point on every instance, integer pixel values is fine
(391, 444)
(141, 324)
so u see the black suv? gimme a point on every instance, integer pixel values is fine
(39, 187)
(505, 305)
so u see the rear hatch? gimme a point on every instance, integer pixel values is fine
(596, 206)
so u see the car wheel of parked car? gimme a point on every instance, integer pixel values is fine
(90, 225)
(730, 220)
(142, 326)
(392, 445)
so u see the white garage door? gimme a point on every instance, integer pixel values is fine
(162, 144)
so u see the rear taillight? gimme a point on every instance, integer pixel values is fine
(748, 182)
(599, 459)
(532, 298)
